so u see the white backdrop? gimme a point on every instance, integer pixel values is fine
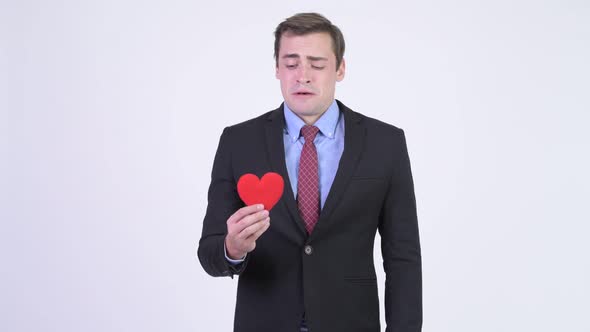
(111, 111)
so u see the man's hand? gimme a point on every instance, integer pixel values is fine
(244, 227)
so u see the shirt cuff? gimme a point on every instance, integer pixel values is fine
(232, 261)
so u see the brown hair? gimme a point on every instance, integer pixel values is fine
(306, 23)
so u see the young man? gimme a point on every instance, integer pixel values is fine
(308, 263)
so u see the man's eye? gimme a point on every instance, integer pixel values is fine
(316, 67)
(291, 66)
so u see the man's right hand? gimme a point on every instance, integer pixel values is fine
(244, 227)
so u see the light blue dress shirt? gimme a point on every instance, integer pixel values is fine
(329, 144)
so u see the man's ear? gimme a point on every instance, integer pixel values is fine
(277, 71)
(341, 70)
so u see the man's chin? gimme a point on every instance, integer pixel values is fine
(302, 108)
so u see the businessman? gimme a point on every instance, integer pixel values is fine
(307, 264)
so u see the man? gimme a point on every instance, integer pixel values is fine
(308, 264)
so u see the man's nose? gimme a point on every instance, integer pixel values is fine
(303, 76)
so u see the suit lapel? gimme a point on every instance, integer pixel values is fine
(276, 154)
(354, 139)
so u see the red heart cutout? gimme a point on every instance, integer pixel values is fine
(267, 190)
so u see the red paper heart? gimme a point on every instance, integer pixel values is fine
(267, 190)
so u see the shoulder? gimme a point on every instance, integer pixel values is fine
(381, 126)
(375, 127)
(249, 127)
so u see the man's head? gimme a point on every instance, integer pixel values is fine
(309, 53)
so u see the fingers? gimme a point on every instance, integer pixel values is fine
(252, 232)
(245, 241)
(265, 226)
(248, 221)
(246, 210)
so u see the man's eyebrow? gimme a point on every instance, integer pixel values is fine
(291, 55)
(309, 57)
(316, 58)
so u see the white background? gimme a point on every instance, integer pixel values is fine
(111, 112)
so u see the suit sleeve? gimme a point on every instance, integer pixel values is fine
(400, 246)
(222, 202)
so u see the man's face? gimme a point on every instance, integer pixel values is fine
(307, 71)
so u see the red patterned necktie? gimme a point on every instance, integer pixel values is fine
(308, 193)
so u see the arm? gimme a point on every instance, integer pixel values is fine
(223, 201)
(400, 246)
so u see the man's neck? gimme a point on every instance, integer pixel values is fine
(311, 119)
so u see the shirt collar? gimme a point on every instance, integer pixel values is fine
(326, 123)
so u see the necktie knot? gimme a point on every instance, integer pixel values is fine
(309, 132)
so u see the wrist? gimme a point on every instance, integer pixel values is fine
(231, 252)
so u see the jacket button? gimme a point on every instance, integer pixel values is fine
(308, 250)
